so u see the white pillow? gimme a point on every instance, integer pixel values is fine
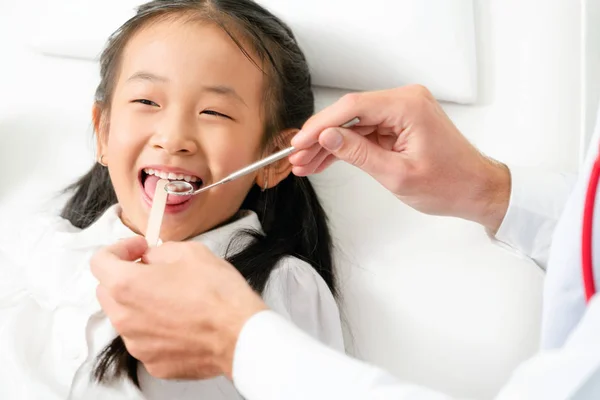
(350, 45)
(378, 44)
(79, 28)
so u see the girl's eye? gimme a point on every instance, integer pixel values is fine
(215, 113)
(146, 102)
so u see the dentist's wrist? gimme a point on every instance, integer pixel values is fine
(494, 197)
(228, 331)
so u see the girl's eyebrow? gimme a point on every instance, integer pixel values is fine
(147, 76)
(226, 91)
(222, 90)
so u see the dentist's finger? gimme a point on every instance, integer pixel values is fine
(171, 253)
(107, 303)
(326, 164)
(167, 253)
(361, 152)
(302, 144)
(317, 161)
(306, 156)
(303, 157)
(111, 263)
(372, 108)
(129, 249)
(310, 167)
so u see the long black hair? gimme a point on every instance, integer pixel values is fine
(293, 221)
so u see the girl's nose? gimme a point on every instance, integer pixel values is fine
(175, 140)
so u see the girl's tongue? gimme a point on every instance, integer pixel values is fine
(150, 188)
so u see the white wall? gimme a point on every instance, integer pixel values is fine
(590, 69)
(431, 299)
(530, 61)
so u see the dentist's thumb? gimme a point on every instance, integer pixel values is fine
(128, 249)
(111, 263)
(355, 149)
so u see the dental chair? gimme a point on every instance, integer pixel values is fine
(433, 300)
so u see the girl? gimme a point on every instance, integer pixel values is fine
(193, 90)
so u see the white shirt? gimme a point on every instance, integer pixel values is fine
(567, 368)
(52, 327)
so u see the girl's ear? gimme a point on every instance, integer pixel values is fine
(100, 130)
(273, 174)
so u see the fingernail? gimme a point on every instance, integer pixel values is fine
(331, 139)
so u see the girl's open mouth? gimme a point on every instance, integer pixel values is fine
(149, 177)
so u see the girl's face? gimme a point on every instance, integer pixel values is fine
(187, 105)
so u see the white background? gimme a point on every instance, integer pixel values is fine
(430, 299)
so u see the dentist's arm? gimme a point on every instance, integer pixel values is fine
(187, 314)
(274, 360)
(408, 144)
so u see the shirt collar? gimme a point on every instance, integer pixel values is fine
(109, 228)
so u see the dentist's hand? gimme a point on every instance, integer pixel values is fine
(181, 312)
(406, 142)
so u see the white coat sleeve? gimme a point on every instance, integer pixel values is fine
(537, 200)
(274, 360)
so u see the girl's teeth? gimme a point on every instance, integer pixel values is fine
(170, 175)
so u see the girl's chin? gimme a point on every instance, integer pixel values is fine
(174, 227)
(177, 232)
(167, 234)
(171, 231)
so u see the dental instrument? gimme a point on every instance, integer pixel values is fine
(159, 202)
(183, 188)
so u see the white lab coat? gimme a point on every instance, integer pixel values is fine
(52, 327)
(267, 367)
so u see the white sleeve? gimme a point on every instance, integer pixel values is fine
(537, 200)
(295, 291)
(274, 360)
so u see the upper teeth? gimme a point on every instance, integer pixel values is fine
(170, 175)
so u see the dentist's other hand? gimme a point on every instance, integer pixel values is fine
(179, 313)
(407, 142)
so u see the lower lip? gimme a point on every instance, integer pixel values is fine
(169, 209)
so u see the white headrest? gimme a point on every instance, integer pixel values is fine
(350, 45)
(379, 44)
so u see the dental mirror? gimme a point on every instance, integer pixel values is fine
(183, 188)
